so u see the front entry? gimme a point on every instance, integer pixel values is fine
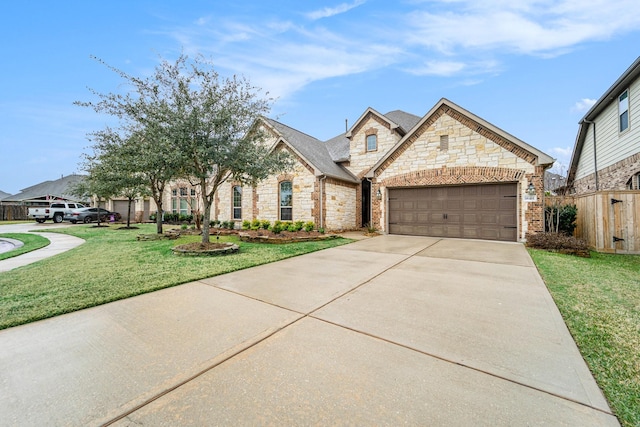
(366, 203)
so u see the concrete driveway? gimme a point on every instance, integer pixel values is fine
(385, 331)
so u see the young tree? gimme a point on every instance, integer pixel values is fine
(185, 121)
(111, 165)
(143, 135)
(214, 125)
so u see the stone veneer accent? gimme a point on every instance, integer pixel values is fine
(614, 177)
(475, 155)
(339, 210)
(361, 160)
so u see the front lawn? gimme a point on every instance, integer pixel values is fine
(112, 265)
(31, 243)
(599, 299)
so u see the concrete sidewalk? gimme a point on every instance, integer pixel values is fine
(385, 331)
(59, 243)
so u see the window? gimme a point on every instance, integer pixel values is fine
(623, 110)
(444, 142)
(183, 200)
(372, 142)
(237, 202)
(634, 182)
(286, 201)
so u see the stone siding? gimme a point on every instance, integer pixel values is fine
(471, 157)
(340, 207)
(362, 160)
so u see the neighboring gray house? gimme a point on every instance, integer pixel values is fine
(3, 195)
(42, 194)
(606, 155)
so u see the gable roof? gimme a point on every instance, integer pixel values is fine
(623, 82)
(60, 188)
(311, 150)
(339, 146)
(482, 125)
(405, 121)
(3, 195)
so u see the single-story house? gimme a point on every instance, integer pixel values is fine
(3, 195)
(42, 194)
(604, 174)
(448, 173)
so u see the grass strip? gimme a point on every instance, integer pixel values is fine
(31, 243)
(599, 298)
(112, 265)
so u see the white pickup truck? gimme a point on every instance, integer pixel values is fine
(55, 211)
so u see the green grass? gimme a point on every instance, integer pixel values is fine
(599, 298)
(31, 243)
(112, 265)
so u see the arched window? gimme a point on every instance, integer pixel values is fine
(286, 201)
(237, 202)
(634, 182)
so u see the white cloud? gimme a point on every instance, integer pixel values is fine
(583, 105)
(440, 38)
(332, 11)
(439, 68)
(562, 151)
(538, 27)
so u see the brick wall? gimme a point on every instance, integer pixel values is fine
(611, 178)
(474, 155)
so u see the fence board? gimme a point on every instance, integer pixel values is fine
(13, 212)
(599, 220)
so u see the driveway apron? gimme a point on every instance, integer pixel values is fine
(385, 331)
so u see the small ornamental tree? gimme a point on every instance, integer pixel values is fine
(185, 121)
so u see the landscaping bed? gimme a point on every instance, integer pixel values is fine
(266, 236)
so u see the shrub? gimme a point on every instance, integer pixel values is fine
(255, 224)
(292, 228)
(229, 225)
(246, 224)
(183, 218)
(560, 218)
(184, 226)
(277, 227)
(309, 226)
(558, 242)
(321, 230)
(265, 224)
(298, 225)
(214, 223)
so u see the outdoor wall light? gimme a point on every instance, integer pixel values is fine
(531, 189)
(379, 194)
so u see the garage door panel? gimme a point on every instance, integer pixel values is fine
(487, 211)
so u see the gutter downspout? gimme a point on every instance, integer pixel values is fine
(595, 158)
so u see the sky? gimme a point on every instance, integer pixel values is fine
(530, 67)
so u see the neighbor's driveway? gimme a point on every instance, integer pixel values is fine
(385, 331)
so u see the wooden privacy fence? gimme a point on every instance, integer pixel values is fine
(609, 221)
(13, 212)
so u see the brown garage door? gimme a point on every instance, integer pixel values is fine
(486, 211)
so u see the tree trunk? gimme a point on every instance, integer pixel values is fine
(159, 217)
(206, 222)
(129, 213)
